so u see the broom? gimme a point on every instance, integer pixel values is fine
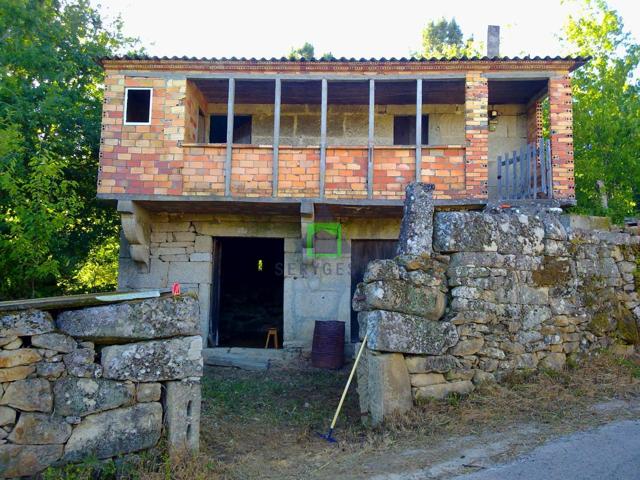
(329, 435)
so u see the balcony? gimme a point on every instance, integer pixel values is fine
(351, 141)
(298, 174)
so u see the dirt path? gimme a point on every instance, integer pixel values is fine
(459, 455)
(261, 425)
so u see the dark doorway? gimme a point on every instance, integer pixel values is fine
(251, 290)
(362, 252)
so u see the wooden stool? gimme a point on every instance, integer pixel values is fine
(272, 332)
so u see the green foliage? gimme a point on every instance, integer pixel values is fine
(444, 39)
(99, 270)
(89, 469)
(306, 51)
(50, 115)
(606, 95)
(327, 56)
(632, 367)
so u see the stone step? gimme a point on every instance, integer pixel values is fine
(249, 358)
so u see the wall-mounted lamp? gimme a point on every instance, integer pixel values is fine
(493, 120)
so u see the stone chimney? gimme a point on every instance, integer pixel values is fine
(493, 41)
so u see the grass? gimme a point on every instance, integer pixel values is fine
(271, 399)
(262, 424)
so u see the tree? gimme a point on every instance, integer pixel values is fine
(606, 94)
(306, 51)
(50, 116)
(444, 39)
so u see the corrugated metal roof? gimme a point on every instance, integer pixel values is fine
(580, 60)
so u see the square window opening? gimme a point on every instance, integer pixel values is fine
(241, 129)
(404, 130)
(137, 106)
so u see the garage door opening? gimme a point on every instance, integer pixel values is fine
(251, 290)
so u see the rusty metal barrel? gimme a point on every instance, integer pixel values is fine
(327, 350)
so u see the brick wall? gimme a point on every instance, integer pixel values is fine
(194, 101)
(298, 172)
(142, 159)
(203, 171)
(561, 126)
(251, 172)
(444, 167)
(151, 159)
(393, 169)
(477, 134)
(346, 173)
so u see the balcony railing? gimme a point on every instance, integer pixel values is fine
(526, 175)
(347, 173)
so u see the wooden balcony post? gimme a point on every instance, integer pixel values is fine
(323, 137)
(418, 130)
(227, 162)
(372, 103)
(276, 137)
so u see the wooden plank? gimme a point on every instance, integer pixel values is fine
(499, 177)
(227, 162)
(549, 169)
(523, 170)
(514, 179)
(543, 169)
(418, 130)
(372, 106)
(323, 136)
(77, 301)
(507, 182)
(534, 154)
(528, 173)
(276, 136)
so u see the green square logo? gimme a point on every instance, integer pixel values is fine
(324, 240)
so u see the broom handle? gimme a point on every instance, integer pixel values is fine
(346, 388)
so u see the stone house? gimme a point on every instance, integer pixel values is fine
(266, 185)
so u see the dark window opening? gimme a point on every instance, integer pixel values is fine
(138, 106)
(251, 291)
(404, 130)
(241, 129)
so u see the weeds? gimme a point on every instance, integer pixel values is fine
(261, 425)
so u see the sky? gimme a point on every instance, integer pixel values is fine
(349, 28)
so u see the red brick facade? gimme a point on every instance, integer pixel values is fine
(163, 159)
(477, 134)
(561, 126)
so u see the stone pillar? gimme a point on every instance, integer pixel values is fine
(561, 126)
(182, 416)
(416, 230)
(384, 385)
(477, 134)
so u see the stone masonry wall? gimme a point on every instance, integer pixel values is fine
(102, 381)
(503, 291)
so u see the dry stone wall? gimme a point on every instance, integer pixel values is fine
(97, 382)
(502, 291)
